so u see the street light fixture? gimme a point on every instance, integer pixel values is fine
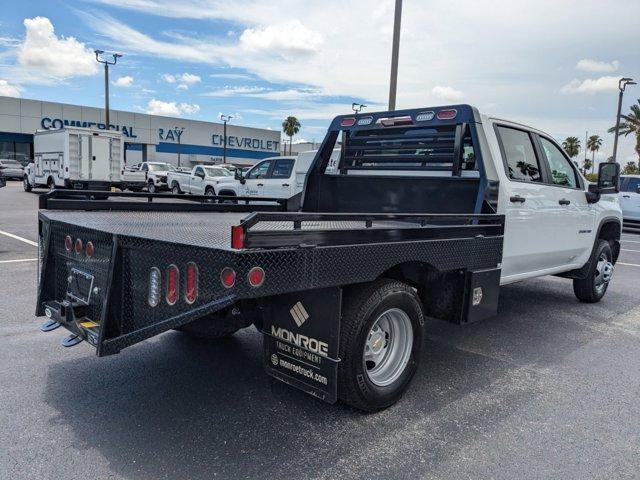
(622, 84)
(225, 119)
(357, 107)
(106, 62)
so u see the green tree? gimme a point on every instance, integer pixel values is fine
(630, 169)
(630, 125)
(571, 145)
(593, 144)
(586, 165)
(290, 127)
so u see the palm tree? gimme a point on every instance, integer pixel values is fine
(593, 144)
(630, 124)
(290, 127)
(571, 145)
(586, 165)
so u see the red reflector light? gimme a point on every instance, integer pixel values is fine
(256, 277)
(78, 246)
(348, 122)
(68, 243)
(191, 288)
(447, 114)
(89, 249)
(237, 237)
(228, 277)
(173, 284)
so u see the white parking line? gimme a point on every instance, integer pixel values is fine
(20, 260)
(11, 235)
(630, 241)
(627, 264)
(627, 250)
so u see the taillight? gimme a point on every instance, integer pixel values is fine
(228, 277)
(449, 114)
(256, 276)
(237, 237)
(78, 246)
(173, 284)
(155, 280)
(68, 243)
(89, 250)
(191, 288)
(348, 122)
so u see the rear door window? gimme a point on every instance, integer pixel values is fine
(631, 184)
(282, 169)
(562, 173)
(521, 162)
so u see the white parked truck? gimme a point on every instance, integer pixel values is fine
(630, 201)
(149, 175)
(78, 158)
(202, 180)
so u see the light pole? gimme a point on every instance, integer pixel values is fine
(393, 84)
(357, 107)
(179, 137)
(622, 84)
(225, 119)
(106, 64)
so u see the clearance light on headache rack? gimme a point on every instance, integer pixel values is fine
(173, 284)
(395, 121)
(155, 280)
(449, 114)
(365, 121)
(425, 116)
(348, 122)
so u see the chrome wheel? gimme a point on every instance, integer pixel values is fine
(152, 187)
(604, 272)
(388, 347)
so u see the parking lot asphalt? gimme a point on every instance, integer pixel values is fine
(549, 388)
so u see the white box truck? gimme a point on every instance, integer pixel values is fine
(78, 158)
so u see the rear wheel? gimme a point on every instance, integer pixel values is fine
(152, 187)
(592, 288)
(380, 344)
(51, 185)
(25, 184)
(176, 189)
(209, 192)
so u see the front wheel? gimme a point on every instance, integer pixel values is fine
(380, 344)
(25, 184)
(152, 187)
(592, 288)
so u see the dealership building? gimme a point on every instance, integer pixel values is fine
(147, 137)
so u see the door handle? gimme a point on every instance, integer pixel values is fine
(261, 184)
(285, 184)
(564, 201)
(626, 196)
(517, 199)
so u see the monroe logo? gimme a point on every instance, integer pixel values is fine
(316, 346)
(299, 314)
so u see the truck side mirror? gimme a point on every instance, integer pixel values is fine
(609, 178)
(238, 176)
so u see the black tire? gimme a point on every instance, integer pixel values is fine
(51, 185)
(592, 288)
(212, 327)
(152, 187)
(175, 189)
(26, 185)
(209, 192)
(362, 307)
(229, 194)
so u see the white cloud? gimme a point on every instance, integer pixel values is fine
(124, 82)
(231, 76)
(290, 38)
(44, 54)
(228, 91)
(8, 90)
(447, 93)
(591, 85)
(184, 80)
(171, 109)
(589, 65)
(189, 78)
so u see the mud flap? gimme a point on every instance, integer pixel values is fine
(301, 340)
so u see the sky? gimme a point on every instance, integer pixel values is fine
(553, 65)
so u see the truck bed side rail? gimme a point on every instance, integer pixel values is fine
(270, 230)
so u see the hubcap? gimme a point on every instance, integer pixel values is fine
(388, 347)
(604, 272)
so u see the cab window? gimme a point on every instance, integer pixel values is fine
(199, 172)
(282, 169)
(520, 157)
(562, 173)
(630, 184)
(260, 170)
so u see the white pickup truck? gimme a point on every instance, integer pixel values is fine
(630, 201)
(149, 175)
(202, 180)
